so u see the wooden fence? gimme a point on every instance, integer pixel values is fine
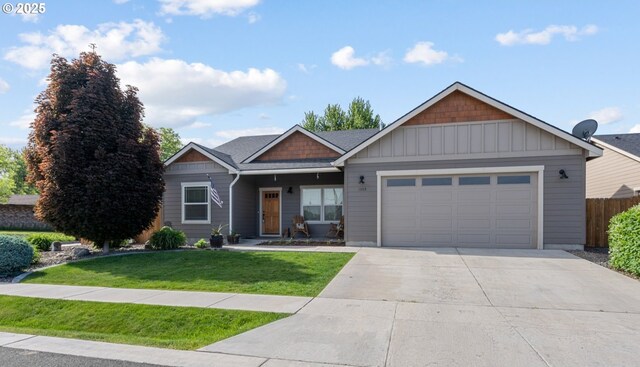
(599, 212)
(144, 236)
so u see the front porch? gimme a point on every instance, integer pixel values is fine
(264, 205)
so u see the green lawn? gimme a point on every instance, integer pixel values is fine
(159, 326)
(24, 234)
(279, 273)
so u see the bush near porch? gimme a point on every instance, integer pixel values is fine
(624, 241)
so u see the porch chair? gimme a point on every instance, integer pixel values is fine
(299, 225)
(336, 230)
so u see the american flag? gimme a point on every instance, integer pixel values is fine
(214, 193)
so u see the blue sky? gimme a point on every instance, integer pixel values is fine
(217, 69)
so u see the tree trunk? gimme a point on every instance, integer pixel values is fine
(105, 247)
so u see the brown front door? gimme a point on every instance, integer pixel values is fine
(271, 212)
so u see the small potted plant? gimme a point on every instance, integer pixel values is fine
(233, 237)
(217, 239)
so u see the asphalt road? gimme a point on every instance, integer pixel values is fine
(20, 358)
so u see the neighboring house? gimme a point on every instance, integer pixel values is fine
(17, 213)
(617, 173)
(461, 169)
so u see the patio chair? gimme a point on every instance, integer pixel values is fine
(299, 225)
(336, 230)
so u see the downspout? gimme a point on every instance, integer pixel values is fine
(231, 201)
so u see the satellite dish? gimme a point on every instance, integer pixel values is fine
(585, 129)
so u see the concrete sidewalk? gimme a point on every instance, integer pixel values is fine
(230, 301)
(132, 353)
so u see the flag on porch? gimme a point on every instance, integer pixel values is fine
(214, 193)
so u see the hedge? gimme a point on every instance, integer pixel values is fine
(624, 241)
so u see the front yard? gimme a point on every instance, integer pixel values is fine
(159, 326)
(276, 273)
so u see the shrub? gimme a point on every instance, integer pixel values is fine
(624, 240)
(43, 241)
(15, 255)
(36, 256)
(202, 243)
(167, 238)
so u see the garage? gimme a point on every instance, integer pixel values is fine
(443, 209)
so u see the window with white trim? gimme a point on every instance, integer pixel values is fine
(195, 203)
(322, 203)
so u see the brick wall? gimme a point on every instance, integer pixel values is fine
(19, 217)
(193, 156)
(297, 146)
(458, 107)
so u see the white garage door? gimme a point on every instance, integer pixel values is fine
(493, 210)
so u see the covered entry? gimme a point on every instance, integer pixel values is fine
(481, 207)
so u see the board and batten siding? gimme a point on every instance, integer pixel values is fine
(612, 176)
(486, 139)
(564, 199)
(178, 173)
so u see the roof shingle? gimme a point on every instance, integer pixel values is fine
(630, 143)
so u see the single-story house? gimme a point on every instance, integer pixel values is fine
(461, 169)
(617, 173)
(17, 213)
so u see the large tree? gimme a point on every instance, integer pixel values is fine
(7, 169)
(96, 166)
(170, 142)
(359, 115)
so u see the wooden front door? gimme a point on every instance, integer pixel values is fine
(271, 212)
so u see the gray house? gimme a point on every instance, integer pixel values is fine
(617, 173)
(462, 169)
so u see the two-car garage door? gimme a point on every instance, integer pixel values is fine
(480, 210)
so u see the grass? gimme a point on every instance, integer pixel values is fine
(24, 234)
(279, 273)
(186, 328)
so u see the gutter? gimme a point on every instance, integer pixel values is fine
(231, 201)
(290, 171)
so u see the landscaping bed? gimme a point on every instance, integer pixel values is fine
(187, 328)
(260, 272)
(302, 242)
(599, 256)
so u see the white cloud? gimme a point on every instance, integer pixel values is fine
(198, 125)
(23, 122)
(120, 1)
(607, 115)
(30, 18)
(4, 86)
(115, 41)
(176, 93)
(423, 53)
(7, 140)
(205, 8)
(382, 59)
(635, 129)
(544, 37)
(344, 59)
(253, 17)
(306, 68)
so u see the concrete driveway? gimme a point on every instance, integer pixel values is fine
(459, 307)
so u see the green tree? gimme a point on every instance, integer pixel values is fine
(7, 169)
(21, 185)
(170, 142)
(96, 166)
(359, 116)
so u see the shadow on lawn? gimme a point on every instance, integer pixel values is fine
(194, 266)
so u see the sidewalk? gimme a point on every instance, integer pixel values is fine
(231, 301)
(149, 355)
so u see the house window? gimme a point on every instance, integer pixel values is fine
(401, 182)
(437, 181)
(513, 180)
(322, 204)
(480, 180)
(195, 203)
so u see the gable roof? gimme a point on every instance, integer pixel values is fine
(625, 144)
(457, 86)
(214, 156)
(286, 134)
